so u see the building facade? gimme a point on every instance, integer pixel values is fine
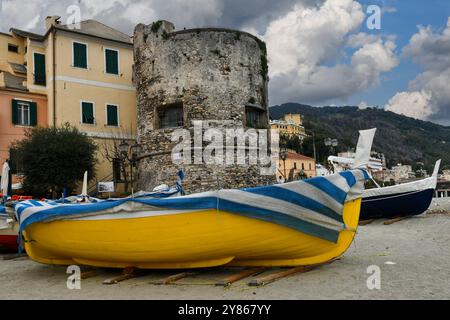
(85, 73)
(20, 107)
(291, 125)
(398, 174)
(295, 167)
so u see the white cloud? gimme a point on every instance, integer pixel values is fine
(364, 105)
(388, 9)
(308, 36)
(416, 104)
(429, 92)
(307, 44)
(308, 40)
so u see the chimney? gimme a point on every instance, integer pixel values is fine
(51, 21)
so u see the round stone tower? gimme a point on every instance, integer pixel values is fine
(216, 76)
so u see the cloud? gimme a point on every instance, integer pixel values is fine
(429, 91)
(307, 44)
(364, 105)
(416, 104)
(316, 51)
(125, 14)
(388, 9)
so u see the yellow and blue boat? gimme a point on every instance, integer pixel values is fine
(299, 223)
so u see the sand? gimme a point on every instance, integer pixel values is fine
(413, 256)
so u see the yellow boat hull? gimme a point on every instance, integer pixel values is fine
(189, 240)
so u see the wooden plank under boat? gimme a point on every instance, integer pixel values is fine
(299, 223)
(408, 199)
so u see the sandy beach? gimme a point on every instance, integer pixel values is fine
(413, 256)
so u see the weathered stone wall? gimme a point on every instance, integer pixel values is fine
(215, 73)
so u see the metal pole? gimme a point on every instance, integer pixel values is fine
(132, 181)
(314, 146)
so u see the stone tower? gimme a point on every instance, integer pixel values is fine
(218, 76)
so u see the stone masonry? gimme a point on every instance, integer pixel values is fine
(215, 75)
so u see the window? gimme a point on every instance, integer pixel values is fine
(112, 115)
(295, 165)
(171, 116)
(254, 117)
(310, 167)
(80, 55)
(87, 113)
(39, 69)
(303, 166)
(24, 113)
(13, 48)
(111, 61)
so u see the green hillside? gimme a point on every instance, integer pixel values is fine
(401, 139)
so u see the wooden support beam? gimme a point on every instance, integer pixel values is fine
(174, 278)
(88, 274)
(127, 273)
(366, 222)
(239, 276)
(394, 220)
(15, 256)
(262, 281)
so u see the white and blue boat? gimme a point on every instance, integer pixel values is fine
(407, 199)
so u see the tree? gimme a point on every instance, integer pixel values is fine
(54, 159)
(291, 142)
(111, 152)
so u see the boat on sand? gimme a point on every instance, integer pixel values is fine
(300, 223)
(402, 200)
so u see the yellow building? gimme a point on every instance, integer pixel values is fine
(295, 167)
(290, 124)
(86, 74)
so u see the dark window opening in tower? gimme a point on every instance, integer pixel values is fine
(171, 116)
(254, 117)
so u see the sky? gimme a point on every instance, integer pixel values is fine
(321, 52)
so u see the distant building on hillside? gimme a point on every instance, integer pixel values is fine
(399, 173)
(445, 175)
(290, 124)
(295, 167)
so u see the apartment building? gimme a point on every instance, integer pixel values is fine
(295, 166)
(290, 124)
(85, 71)
(20, 108)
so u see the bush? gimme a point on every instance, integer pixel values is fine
(54, 159)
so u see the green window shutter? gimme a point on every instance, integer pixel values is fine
(112, 61)
(87, 110)
(15, 112)
(79, 55)
(112, 115)
(33, 114)
(39, 69)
